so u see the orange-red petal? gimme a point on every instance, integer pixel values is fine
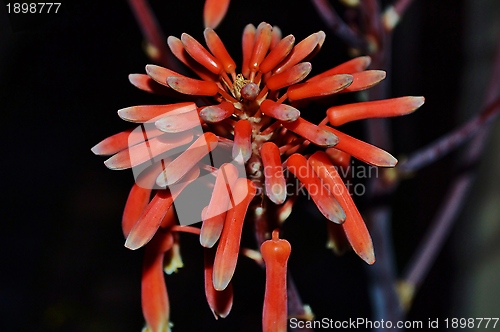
(301, 51)
(275, 253)
(338, 115)
(277, 54)
(363, 151)
(216, 46)
(176, 123)
(220, 302)
(263, 37)
(324, 200)
(354, 226)
(147, 150)
(319, 88)
(137, 202)
(160, 74)
(214, 214)
(365, 80)
(187, 160)
(242, 147)
(139, 197)
(200, 54)
(146, 227)
(291, 75)
(274, 179)
(112, 144)
(177, 48)
(275, 37)
(338, 158)
(352, 66)
(191, 86)
(146, 83)
(126, 139)
(154, 297)
(217, 113)
(214, 11)
(280, 112)
(145, 113)
(229, 243)
(311, 132)
(247, 43)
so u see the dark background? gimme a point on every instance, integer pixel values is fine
(62, 78)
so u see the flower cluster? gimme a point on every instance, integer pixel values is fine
(240, 137)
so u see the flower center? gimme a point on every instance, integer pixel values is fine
(246, 89)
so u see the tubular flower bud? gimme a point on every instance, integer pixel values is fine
(275, 253)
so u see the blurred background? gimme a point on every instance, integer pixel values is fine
(63, 77)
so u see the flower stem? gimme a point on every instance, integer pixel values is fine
(451, 141)
(337, 25)
(156, 46)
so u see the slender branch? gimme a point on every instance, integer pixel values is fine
(337, 25)
(156, 47)
(426, 253)
(382, 274)
(451, 141)
(434, 240)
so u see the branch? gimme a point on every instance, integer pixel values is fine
(427, 251)
(451, 141)
(156, 47)
(337, 25)
(433, 241)
(382, 274)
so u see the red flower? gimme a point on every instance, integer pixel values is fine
(252, 115)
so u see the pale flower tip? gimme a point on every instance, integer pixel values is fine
(164, 125)
(321, 37)
(417, 102)
(365, 61)
(135, 79)
(151, 69)
(379, 75)
(161, 180)
(207, 242)
(190, 86)
(344, 79)
(115, 163)
(210, 232)
(383, 159)
(330, 139)
(391, 161)
(125, 113)
(281, 112)
(278, 194)
(221, 281)
(368, 255)
(339, 215)
(134, 243)
(96, 149)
